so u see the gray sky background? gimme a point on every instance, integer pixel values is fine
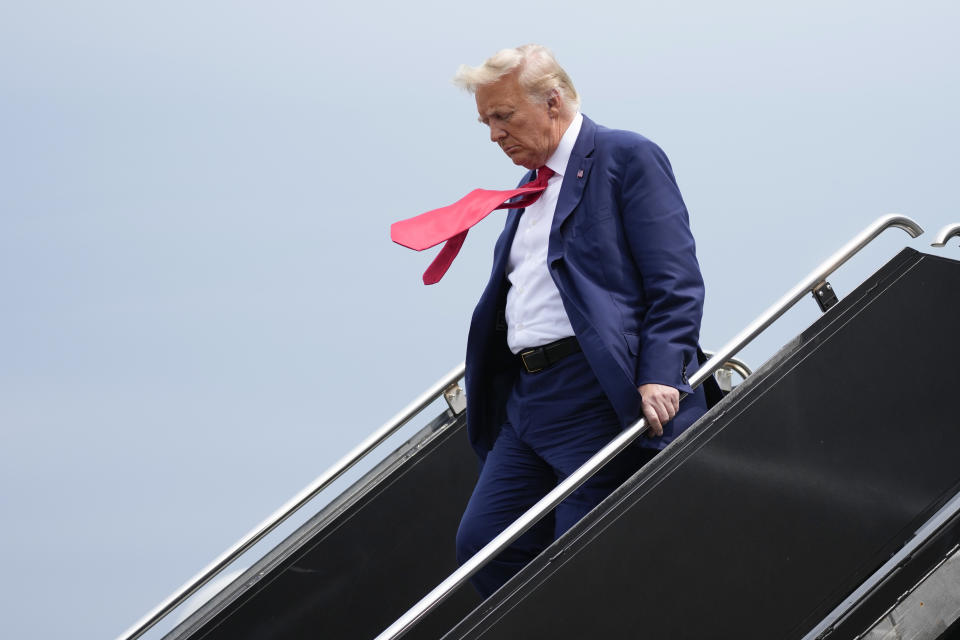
(201, 306)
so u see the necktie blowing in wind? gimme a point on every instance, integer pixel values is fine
(452, 222)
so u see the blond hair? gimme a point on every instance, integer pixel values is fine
(540, 74)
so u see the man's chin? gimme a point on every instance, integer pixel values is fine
(520, 159)
(524, 162)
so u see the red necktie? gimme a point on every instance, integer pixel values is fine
(452, 222)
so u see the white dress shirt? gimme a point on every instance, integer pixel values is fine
(535, 313)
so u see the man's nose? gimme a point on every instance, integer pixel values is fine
(496, 133)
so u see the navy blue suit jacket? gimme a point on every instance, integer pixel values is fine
(623, 258)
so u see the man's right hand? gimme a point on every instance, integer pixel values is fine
(660, 403)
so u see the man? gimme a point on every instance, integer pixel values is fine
(591, 315)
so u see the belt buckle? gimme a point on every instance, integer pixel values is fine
(523, 358)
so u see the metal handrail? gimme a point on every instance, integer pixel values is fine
(293, 505)
(608, 452)
(945, 234)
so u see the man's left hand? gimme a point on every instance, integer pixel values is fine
(660, 403)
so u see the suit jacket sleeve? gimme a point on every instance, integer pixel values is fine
(658, 232)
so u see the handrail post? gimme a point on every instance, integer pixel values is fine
(624, 438)
(735, 365)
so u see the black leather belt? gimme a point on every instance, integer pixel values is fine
(540, 358)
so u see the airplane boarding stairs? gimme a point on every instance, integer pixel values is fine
(805, 504)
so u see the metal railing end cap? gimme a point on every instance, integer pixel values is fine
(944, 235)
(901, 222)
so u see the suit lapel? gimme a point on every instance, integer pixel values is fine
(577, 174)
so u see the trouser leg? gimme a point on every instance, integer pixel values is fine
(599, 486)
(513, 478)
(566, 418)
(557, 419)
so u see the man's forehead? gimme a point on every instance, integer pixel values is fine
(505, 92)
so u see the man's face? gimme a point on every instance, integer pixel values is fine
(527, 131)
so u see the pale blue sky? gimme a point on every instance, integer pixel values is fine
(201, 307)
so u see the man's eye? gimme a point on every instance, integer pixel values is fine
(498, 117)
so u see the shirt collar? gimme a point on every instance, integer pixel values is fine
(561, 156)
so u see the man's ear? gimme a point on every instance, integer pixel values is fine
(555, 104)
